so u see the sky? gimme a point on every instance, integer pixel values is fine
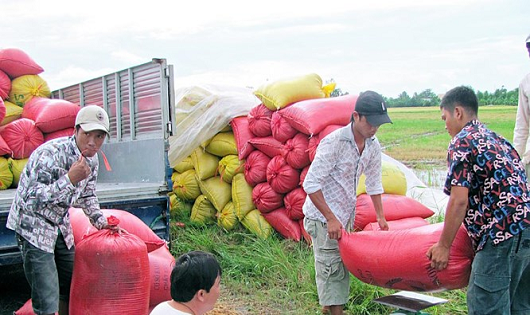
(389, 46)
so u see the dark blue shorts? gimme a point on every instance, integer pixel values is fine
(49, 274)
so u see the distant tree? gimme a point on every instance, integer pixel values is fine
(337, 91)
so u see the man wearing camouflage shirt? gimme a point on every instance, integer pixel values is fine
(59, 174)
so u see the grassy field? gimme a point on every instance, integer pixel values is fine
(276, 276)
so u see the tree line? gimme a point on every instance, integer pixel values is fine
(428, 98)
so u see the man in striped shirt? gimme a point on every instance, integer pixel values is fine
(331, 185)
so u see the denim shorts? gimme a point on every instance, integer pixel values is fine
(500, 278)
(332, 277)
(49, 274)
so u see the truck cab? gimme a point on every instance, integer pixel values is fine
(134, 173)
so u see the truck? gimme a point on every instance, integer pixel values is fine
(134, 173)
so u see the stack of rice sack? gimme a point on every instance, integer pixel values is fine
(28, 117)
(209, 182)
(278, 139)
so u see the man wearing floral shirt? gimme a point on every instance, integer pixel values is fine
(489, 193)
(331, 185)
(59, 174)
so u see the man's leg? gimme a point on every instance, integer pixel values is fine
(64, 259)
(332, 277)
(520, 284)
(41, 273)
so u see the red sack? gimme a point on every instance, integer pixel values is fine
(22, 137)
(267, 145)
(315, 140)
(401, 224)
(15, 63)
(305, 235)
(395, 207)
(82, 227)
(49, 114)
(312, 116)
(5, 85)
(3, 109)
(281, 222)
(303, 174)
(4, 148)
(295, 151)
(294, 201)
(111, 275)
(242, 135)
(265, 198)
(58, 134)
(397, 259)
(161, 263)
(281, 176)
(259, 121)
(281, 130)
(256, 168)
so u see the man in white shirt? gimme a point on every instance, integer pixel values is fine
(522, 120)
(331, 186)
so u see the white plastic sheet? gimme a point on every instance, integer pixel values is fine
(202, 111)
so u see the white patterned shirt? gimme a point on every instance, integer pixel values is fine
(45, 193)
(335, 171)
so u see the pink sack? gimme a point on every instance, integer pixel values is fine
(259, 121)
(4, 148)
(242, 135)
(265, 198)
(161, 263)
(401, 224)
(294, 201)
(15, 63)
(5, 85)
(397, 259)
(67, 132)
(312, 116)
(303, 174)
(281, 176)
(295, 151)
(281, 130)
(256, 168)
(281, 222)
(22, 137)
(267, 145)
(395, 207)
(51, 115)
(3, 109)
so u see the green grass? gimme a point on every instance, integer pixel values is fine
(276, 276)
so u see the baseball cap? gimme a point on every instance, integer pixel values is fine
(372, 105)
(92, 117)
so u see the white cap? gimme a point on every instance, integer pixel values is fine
(92, 117)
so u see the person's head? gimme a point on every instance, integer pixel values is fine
(527, 41)
(459, 105)
(91, 128)
(370, 113)
(196, 277)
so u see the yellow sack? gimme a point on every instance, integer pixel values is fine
(178, 207)
(394, 180)
(13, 112)
(204, 163)
(25, 87)
(16, 167)
(222, 144)
(278, 94)
(257, 224)
(227, 218)
(242, 196)
(203, 211)
(218, 192)
(229, 166)
(184, 165)
(6, 177)
(185, 186)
